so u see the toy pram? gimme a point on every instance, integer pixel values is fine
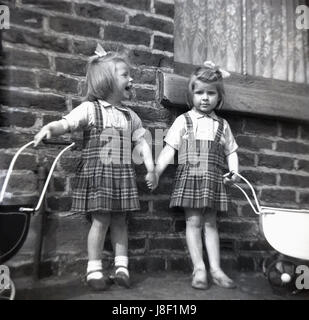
(15, 221)
(287, 231)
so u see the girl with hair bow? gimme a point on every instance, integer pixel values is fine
(204, 142)
(105, 184)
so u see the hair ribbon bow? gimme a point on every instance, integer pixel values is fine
(211, 65)
(99, 51)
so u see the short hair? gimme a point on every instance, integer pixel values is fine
(100, 77)
(207, 75)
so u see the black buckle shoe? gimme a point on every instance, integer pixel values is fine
(97, 284)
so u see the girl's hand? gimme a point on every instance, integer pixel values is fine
(230, 179)
(44, 133)
(152, 180)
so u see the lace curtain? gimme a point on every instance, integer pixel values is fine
(256, 37)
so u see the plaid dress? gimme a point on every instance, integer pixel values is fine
(199, 182)
(105, 178)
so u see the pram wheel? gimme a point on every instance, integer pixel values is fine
(9, 292)
(281, 275)
(267, 262)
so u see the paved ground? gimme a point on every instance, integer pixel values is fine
(157, 286)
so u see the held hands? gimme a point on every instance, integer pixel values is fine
(45, 132)
(152, 180)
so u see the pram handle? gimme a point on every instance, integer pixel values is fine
(47, 180)
(56, 142)
(256, 209)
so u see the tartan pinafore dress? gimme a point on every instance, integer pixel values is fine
(199, 183)
(102, 186)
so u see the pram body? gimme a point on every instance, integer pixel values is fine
(287, 231)
(15, 219)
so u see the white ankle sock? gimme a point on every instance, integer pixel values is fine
(121, 264)
(94, 265)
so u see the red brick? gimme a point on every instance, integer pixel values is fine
(180, 224)
(49, 118)
(32, 100)
(24, 162)
(303, 165)
(147, 264)
(71, 66)
(62, 203)
(304, 132)
(152, 23)
(58, 83)
(244, 227)
(69, 163)
(291, 180)
(151, 114)
(133, 4)
(149, 225)
(262, 127)
(54, 5)
(304, 198)
(253, 245)
(98, 12)
(13, 140)
(125, 35)
(289, 130)
(165, 9)
(271, 196)
(246, 159)
(163, 43)
(180, 263)
(143, 76)
(38, 40)
(58, 184)
(137, 243)
(292, 147)
(143, 94)
(140, 58)
(24, 59)
(16, 118)
(277, 162)
(167, 243)
(17, 78)
(253, 143)
(76, 27)
(25, 183)
(26, 18)
(259, 177)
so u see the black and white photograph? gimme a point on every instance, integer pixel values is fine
(154, 154)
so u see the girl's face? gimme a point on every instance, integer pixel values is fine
(205, 97)
(123, 81)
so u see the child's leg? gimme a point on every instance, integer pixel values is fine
(119, 237)
(96, 239)
(119, 233)
(97, 234)
(194, 225)
(212, 244)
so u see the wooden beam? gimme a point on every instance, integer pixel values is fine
(245, 94)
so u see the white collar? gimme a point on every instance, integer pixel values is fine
(199, 115)
(106, 104)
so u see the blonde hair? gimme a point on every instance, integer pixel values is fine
(100, 77)
(207, 75)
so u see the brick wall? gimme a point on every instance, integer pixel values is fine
(42, 77)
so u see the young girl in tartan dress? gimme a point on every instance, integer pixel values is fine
(105, 184)
(204, 142)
